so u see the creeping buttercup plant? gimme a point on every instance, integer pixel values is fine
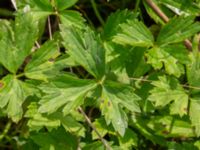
(130, 82)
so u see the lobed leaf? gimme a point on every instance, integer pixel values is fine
(85, 48)
(134, 33)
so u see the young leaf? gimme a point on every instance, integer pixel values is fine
(114, 97)
(134, 33)
(177, 30)
(85, 48)
(12, 96)
(64, 90)
(114, 20)
(163, 93)
(16, 42)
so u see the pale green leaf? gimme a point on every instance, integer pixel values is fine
(168, 90)
(162, 125)
(116, 96)
(194, 111)
(16, 41)
(12, 96)
(129, 140)
(158, 57)
(64, 90)
(134, 33)
(43, 63)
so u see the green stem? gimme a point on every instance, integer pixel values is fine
(137, 5)
(96, 11)
(20, 75)
(6, 129)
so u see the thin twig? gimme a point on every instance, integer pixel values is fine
(164, 17)
(94, 128)
(49, 28)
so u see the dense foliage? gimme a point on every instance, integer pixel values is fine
(100, 75)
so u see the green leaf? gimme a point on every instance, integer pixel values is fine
(40, 9)
(178, 51)
(12, 96)
(42, 63)
(115, 96)
(102, 128)
(171, 126)
(64, 91)
(114, 20)
(129, 140)
(177, 30)
(16, 41)
(167, 90)
(134, 33)
(86, 49)
(158, 57)
(152, 13)
(193, 69)
(37, 121)
(55, 140)
(194, 117)
(179, 7)
(72, 18)
(63, 4)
